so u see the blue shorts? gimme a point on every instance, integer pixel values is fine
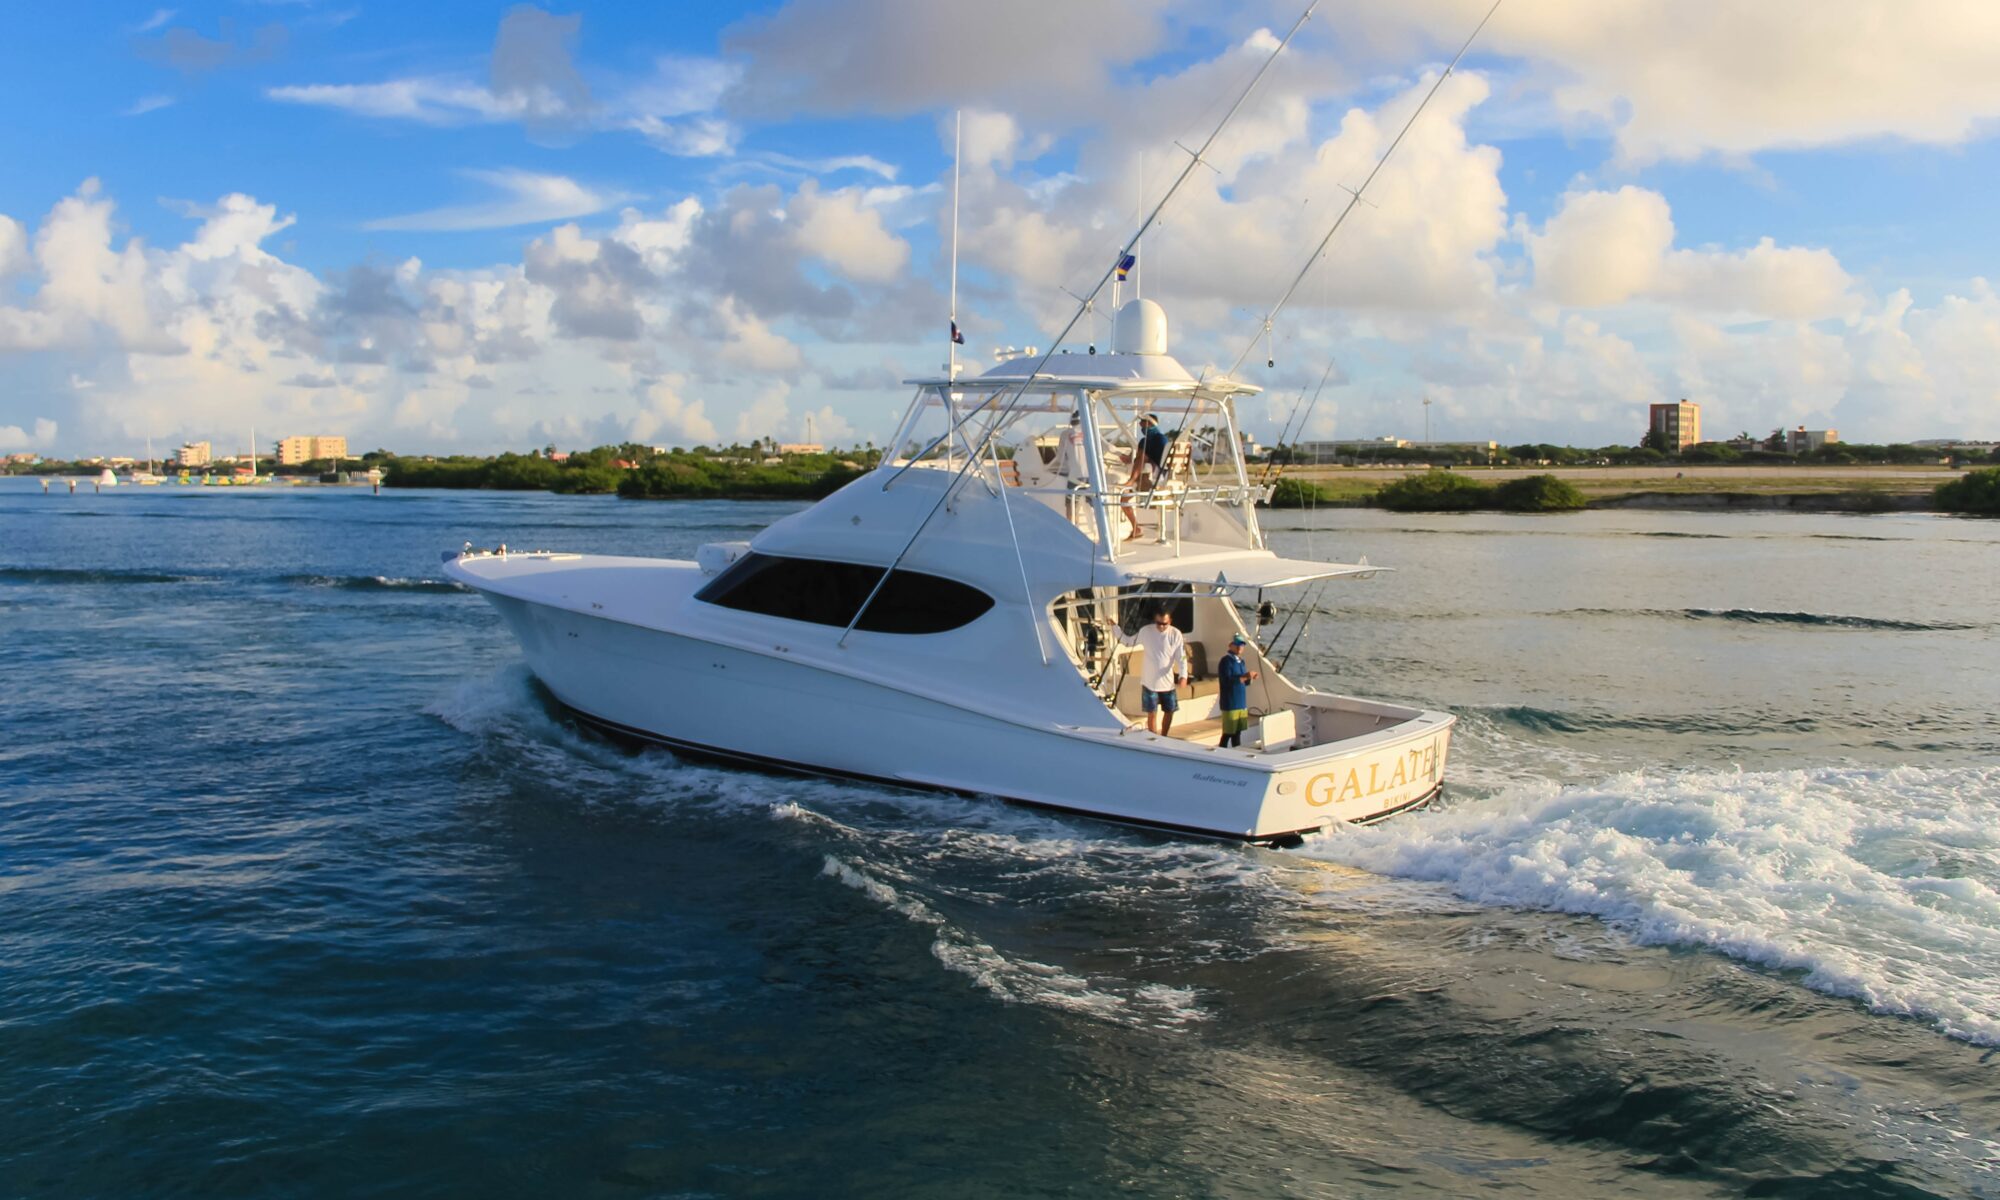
(1164, 701)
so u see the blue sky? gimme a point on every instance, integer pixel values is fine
(453, 227)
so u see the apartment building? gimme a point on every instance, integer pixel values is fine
(1679, 423)
(295, 450)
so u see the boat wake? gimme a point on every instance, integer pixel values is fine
(1803, 620)
(1018, 980)
(1878, 885)
(374, 583)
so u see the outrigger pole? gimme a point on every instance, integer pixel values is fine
(1354, 196)
(972, 459)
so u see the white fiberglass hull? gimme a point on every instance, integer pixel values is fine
(763, 705)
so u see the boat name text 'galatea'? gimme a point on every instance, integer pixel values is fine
(1328, 787)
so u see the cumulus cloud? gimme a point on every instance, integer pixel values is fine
(15, 438)
(528, 198)
(1603, 247)
(596, 283)
(1677, 80)
(13, 247)
(664, 416)
(840, 230)
(747, 341)
(1608, 248)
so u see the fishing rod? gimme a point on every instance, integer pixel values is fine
(1285, 436)
(1197, 159)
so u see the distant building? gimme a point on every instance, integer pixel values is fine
(1804, 441)
(195, 454)
(1334, 451)
(1679, 424)
(557, 456)
(28, 460)
(1485, 449)
(801, 448)
(295, 450)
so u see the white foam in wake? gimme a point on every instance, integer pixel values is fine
(1022, 980)
(1881, 885)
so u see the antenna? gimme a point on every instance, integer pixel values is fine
(1355, 194)
(951, 345)
(1090, 308)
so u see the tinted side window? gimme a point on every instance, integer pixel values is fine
(830, 593)
(915, 603)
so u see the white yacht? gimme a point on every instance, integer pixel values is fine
(941, 621)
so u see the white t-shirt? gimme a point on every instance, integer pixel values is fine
(1069, 456)
(1164, 655)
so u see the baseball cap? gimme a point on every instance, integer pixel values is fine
(1239, 640)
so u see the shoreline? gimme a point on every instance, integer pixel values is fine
(1850, 490)
(1692, 488)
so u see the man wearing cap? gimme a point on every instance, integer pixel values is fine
(1234, 676)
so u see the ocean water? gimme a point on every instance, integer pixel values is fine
(304, 890)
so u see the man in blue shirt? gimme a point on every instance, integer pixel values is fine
(1147, 458)
(1234, 676)
(1153, 444)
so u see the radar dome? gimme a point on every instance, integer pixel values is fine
(1140, 328)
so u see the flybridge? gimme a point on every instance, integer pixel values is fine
(1129, 446)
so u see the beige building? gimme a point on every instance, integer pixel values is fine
(295, 450)
(1805, 441)
(195, 454)
(1679, 424)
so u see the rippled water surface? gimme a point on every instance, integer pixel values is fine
(304, 891)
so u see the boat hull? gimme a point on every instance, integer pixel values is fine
(762, 707)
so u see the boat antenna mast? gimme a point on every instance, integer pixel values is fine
(1355, 195)
(951, 346)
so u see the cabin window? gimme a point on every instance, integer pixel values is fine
(829, 593)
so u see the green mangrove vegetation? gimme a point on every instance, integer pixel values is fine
(1976, 492)
(1447, 491)
(642, 473)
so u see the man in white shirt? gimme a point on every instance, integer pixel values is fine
(1163, 668)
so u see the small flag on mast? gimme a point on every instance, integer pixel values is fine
(957, 338)
(1125, 266)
